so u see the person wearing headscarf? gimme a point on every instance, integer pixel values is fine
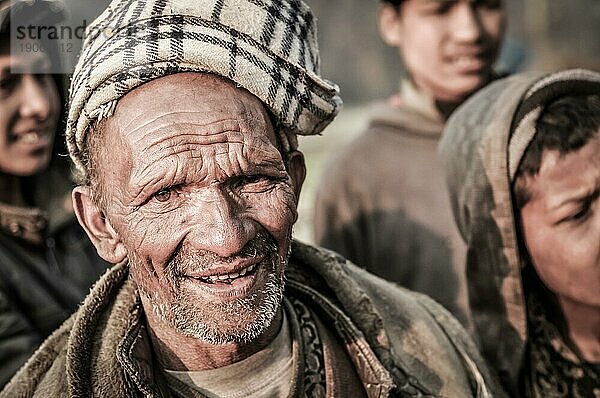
(524, 174)
(182, 125)
(47, 264)
(382, 201)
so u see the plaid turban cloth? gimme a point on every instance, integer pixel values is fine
(268, 47)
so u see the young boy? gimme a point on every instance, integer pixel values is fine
(382, 202)
(524, 176)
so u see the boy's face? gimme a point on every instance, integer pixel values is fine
(448, 46)
(561, 223)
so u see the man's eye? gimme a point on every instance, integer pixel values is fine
(248, 180)
(253, 179)
(255, 183)
(163, 195)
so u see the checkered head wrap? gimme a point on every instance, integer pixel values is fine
(268, 47)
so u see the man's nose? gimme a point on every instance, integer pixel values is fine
(466, 24)
(35, 99)
(221, 225)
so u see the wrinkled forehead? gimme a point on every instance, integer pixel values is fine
(185, 98)
(195, 113)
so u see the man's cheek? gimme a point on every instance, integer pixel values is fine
(154, 239)
(276, 211)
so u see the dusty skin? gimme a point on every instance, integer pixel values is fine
(562, 230)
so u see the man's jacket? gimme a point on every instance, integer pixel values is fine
(401, 343)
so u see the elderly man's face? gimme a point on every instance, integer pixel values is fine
(199, 197)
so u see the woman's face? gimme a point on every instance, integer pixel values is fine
(29, 111)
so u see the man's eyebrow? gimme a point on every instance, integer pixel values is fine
(138, 193)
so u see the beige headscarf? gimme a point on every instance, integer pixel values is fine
(268, 47)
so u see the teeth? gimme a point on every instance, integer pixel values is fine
(30, 137)
(465, 59)
(227, 277)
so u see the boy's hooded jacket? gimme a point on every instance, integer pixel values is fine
(481, 147)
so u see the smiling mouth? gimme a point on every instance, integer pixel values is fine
(230, 278)
(33, 137)
(471, 62)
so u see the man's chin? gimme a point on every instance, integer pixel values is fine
(236, 321)
(226, 333)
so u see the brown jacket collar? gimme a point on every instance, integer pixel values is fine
(28, 223)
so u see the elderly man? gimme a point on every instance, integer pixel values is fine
(183, 124)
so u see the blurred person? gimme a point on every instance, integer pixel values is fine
(47, 264)
(382, 202)
(524, 175)
(190, 176)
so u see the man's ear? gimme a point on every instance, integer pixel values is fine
(104, 237)
(297, 171)
(390, 21)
